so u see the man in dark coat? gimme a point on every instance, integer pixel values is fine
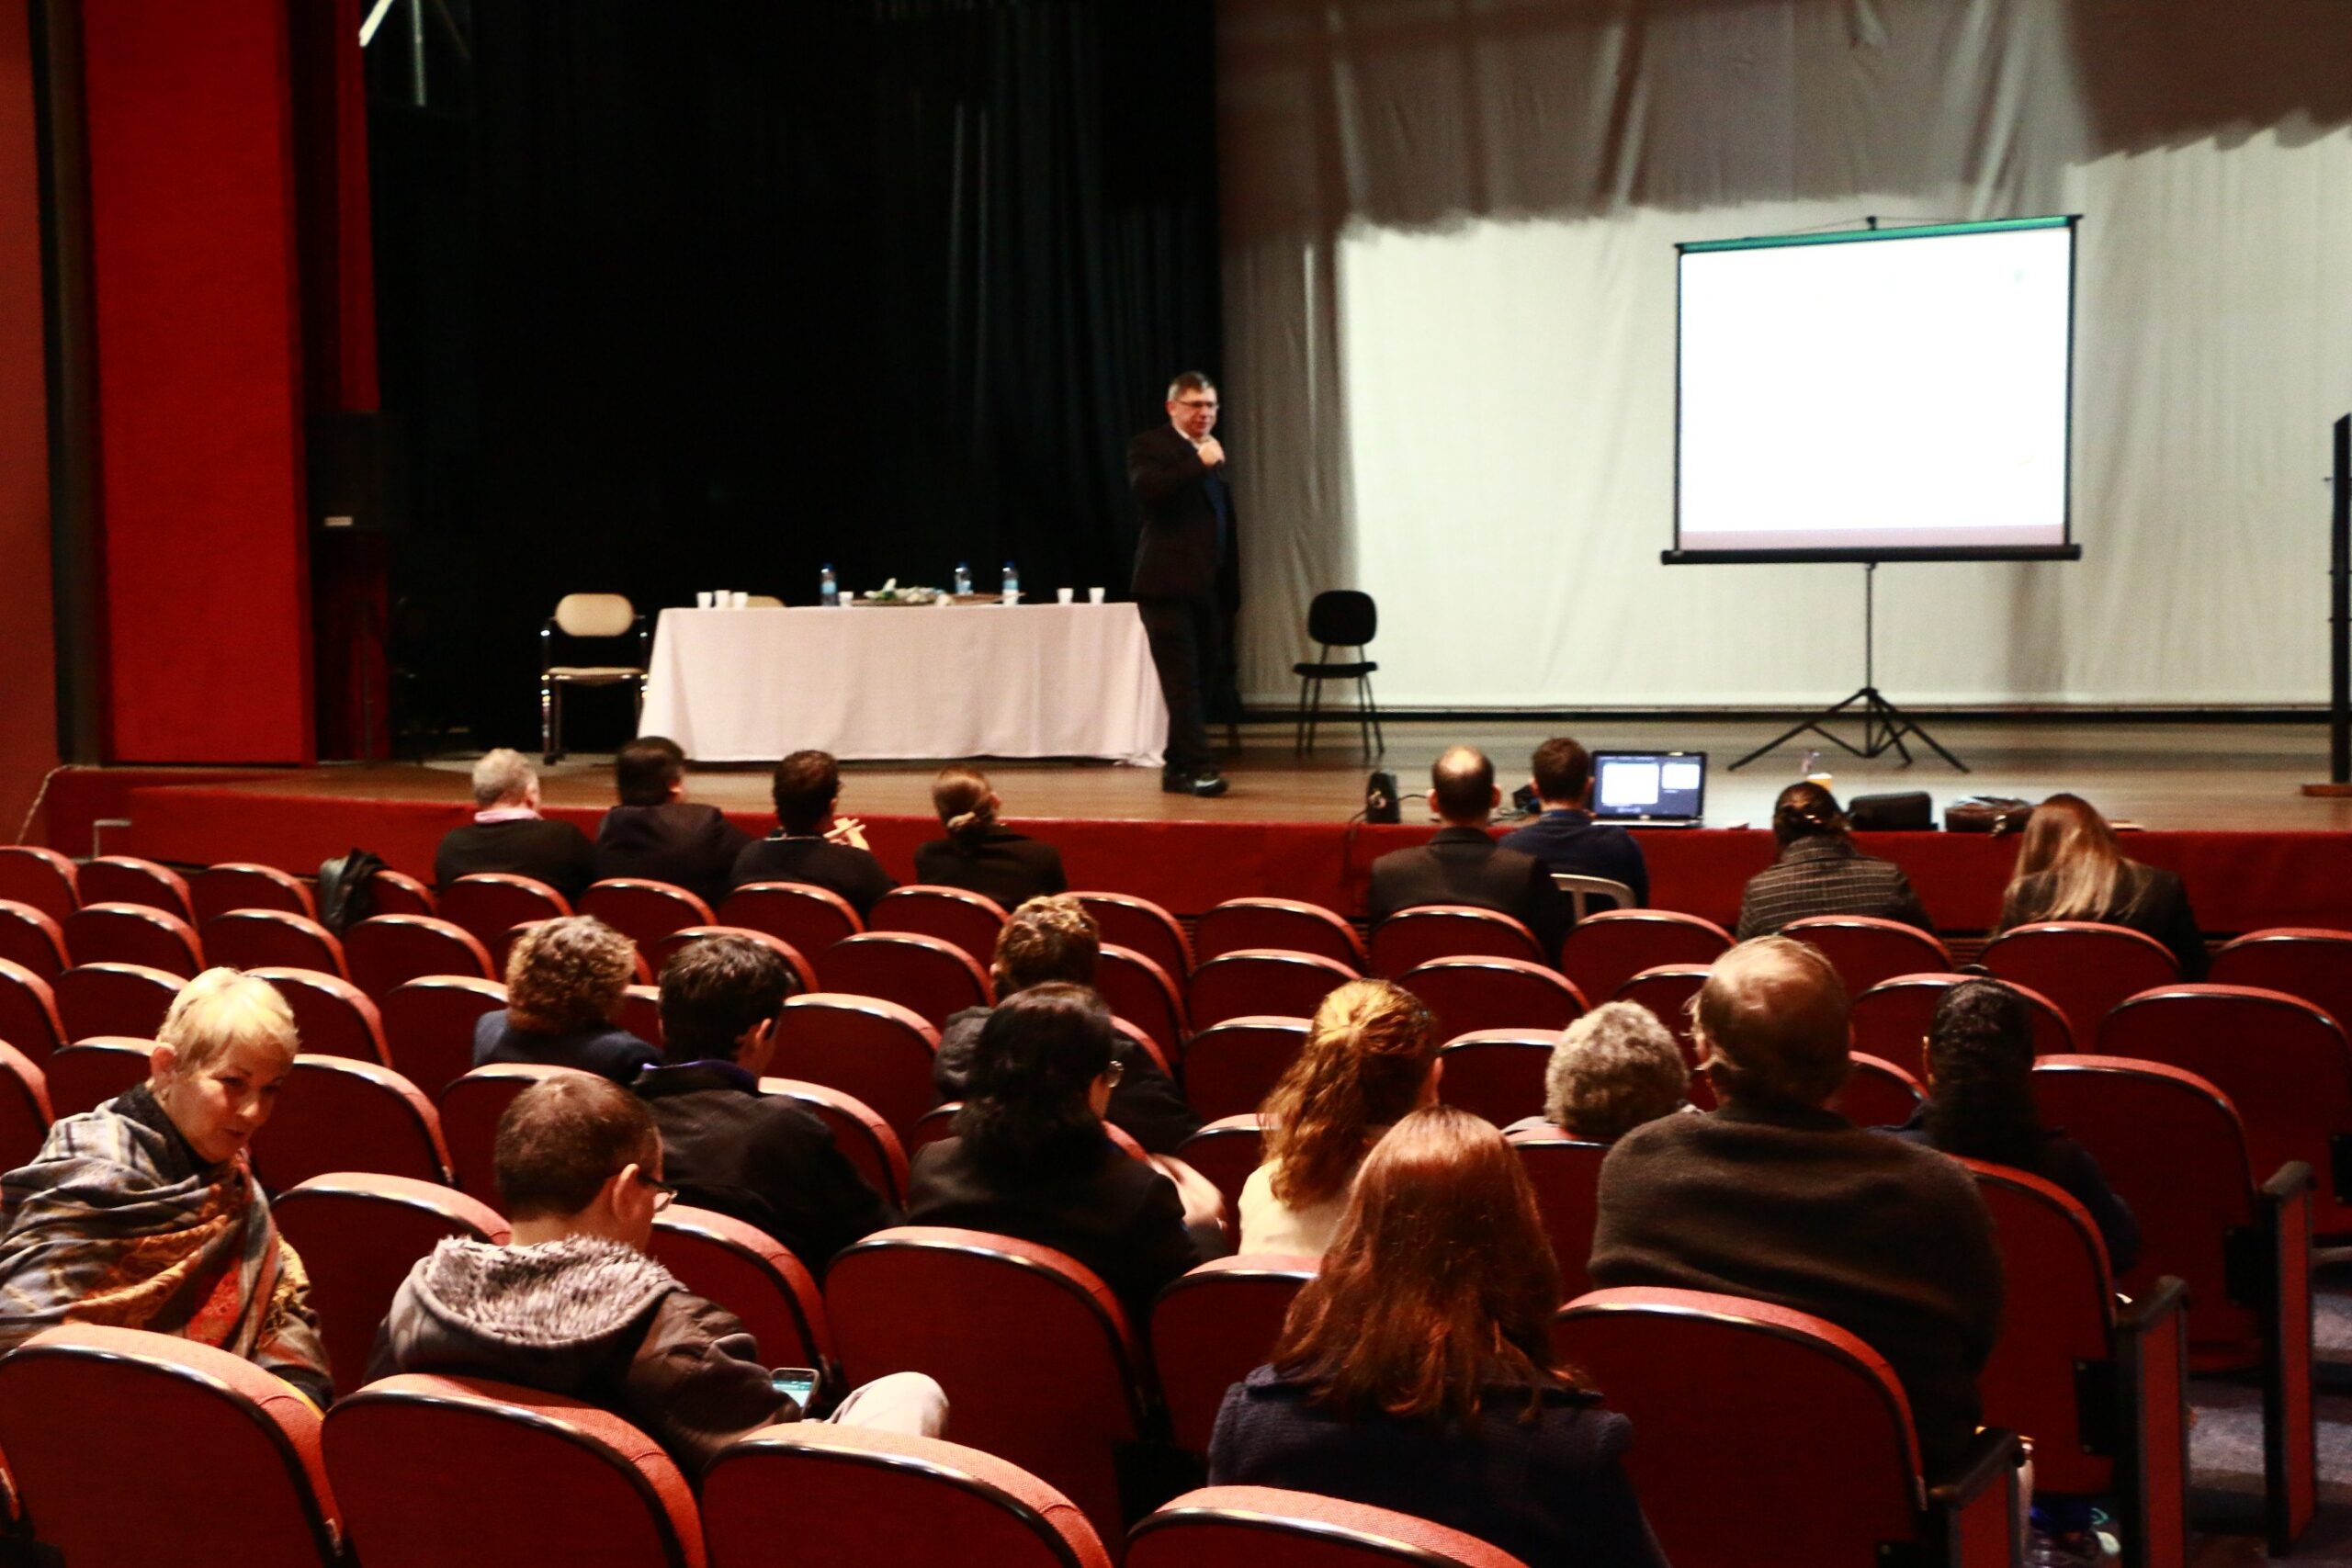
(810, 843)
(1462, 864)
(657, 833)
(509, 835)
(1178, 473)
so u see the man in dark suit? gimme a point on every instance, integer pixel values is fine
(1177, 471)
(509, 835)
(1461, 864)
(657, 833)
(810, 844)
(1565, 838)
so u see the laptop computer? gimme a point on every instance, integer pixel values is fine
(1649, 789)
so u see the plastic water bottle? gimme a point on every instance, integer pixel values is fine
(829, 588)
(1012, 585)
(963, 577)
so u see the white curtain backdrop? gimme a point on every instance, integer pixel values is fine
(1450, 276)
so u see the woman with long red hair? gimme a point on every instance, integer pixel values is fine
(1415, 1370)
(2071, 868)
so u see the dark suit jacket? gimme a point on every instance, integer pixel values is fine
(1004, 866)
(760, 1158)
(2148, 899)
(1463, 866)
(556, 852)
(850, 872)
(690, 846)
(1177, 552)
(1572, 842)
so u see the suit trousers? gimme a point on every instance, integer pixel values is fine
(1186, 648)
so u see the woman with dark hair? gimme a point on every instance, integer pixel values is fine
(1819, 870)
(1979, 1061)
(2070, 868)
(1030, 1157)
(1370, 1060)
(977, 854)
(1415, 1370)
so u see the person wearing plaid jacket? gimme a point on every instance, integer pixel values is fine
(1820, 872)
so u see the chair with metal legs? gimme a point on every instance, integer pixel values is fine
(1339, 617)
(587, 618)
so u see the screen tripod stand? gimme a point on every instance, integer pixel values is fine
(1884, 724)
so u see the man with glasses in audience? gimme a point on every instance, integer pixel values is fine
(1178, 473)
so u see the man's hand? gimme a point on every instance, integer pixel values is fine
(1211, 450)
(847, 830)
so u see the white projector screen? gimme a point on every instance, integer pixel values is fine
(1896, 394)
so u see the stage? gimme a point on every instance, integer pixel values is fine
(2221, 803)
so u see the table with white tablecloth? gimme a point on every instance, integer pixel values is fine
(904, 681)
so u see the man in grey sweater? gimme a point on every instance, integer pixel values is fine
(1776, 1198)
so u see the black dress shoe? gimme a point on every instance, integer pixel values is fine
(1208, 785)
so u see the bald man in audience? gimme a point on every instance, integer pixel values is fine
(1778, 1198)
(1462, 864)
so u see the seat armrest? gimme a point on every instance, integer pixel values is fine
(1972, 1508)
(2290, 1420)
(1992, 1454)
(2151, 1423)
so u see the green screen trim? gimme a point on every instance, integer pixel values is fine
(1847, 237)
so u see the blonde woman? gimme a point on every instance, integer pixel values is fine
(565, 982)
(2070, 868)
(144, 1213)
(1615, 1068)
(1370, 1061)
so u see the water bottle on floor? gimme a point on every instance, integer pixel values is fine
(1012, 585)
(828, 590)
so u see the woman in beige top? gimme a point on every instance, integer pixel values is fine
(1370, 1060)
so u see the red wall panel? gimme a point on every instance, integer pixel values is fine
(199, 410)
(28, 650)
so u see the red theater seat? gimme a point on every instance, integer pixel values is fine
(1865, 950)
(28, 1018)
(1232, 1065)
(877, 1051)
(1036, 1356)
(864, 1138)
(429, 1026)
(810, 1495)
(387, 950)
(339, 1115)
(1145, 995)
(30, 938)
(41, 877)
(804, 977)
(1284, 924)
(1412, 937)
(1497, 1073)
(127, 879)
(2310, 962)
(2083, 967)
(1564, 1170)
(1266, 1528)
(489, 904)
(272, 939)
(1472, 994)
(936, 1126)
(1225, 1151)
(968, 921)
(644, 911)
(240, 885)
(1877, 1093)
(397, 893)
(752, 1275)
(334, 1017)
(1667, 992)
(641, 1012)
(1891, 1019)
(86, 1074)
(115, 998)
(359, 1235)
(133, 933)
(470, 1112)
(1259, 982)
(463, 1472)
(1212, 1327)
(1804, 1439)
(24, 1111)
(811, 919)
(1142, 926)
(931, 978)
(130, 1448)
(1606, 950)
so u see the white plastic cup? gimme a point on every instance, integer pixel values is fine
(703, 599)
(1065, 595)
(740, 599)
(1094, 595)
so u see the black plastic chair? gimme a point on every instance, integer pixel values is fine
(1339, 617)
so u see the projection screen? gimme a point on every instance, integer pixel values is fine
(1888, 394)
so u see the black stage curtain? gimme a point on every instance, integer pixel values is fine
(686, 294)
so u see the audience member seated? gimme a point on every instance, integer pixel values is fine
(1820, 872)
(1615, 1068)
(725, 1145)
(565, 980)
(508, 834)
(1461, 864)
(2070, 868)
(1565, 838)
(144, 1214)
(1054, 938)
(1414, 1371)
(1777, 1198)
(1979, 1061)
(809, 844)
(572, 1306)
(659, 835)
(1370, 1061)
(1030, 1159)
(977, 854)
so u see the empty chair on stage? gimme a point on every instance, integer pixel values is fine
(565, 982)
(979, 853)
(810, 842)
(508, 835)
(1819, 870)
(2071, 868)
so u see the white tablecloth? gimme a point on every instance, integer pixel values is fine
(960, 681)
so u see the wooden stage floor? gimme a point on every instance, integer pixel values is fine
(2182, 776)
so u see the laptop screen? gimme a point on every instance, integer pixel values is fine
(1649, 786)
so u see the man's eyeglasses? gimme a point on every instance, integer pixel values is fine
(663, 1193)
